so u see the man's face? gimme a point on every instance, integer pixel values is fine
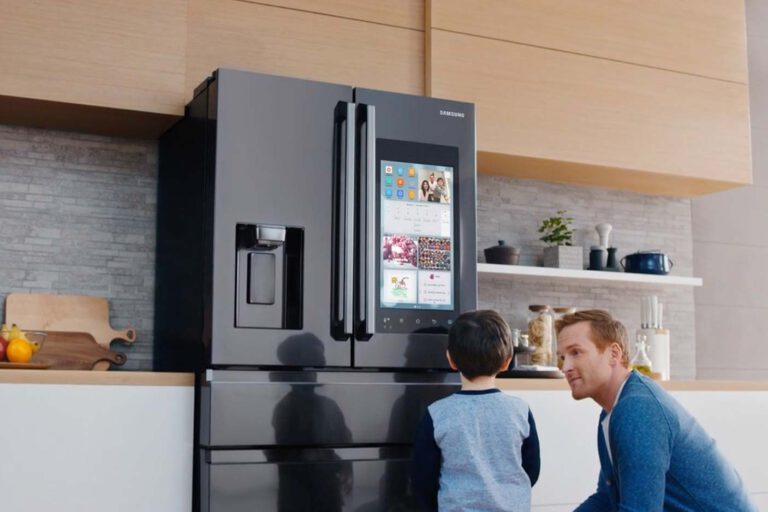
(431, 178)
(587, 370)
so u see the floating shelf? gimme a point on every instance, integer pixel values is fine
(585, 275)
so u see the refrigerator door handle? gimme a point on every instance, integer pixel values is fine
(368, 236)
(342, 273)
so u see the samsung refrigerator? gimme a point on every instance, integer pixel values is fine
(315, 242)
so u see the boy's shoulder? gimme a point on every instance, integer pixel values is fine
(464, 398)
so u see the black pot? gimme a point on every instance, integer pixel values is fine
(647, 262)
(502, 254)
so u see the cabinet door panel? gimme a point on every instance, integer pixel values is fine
(255, 37)
(109, 53)
(701, 37)
(398, 13)
(553, 115)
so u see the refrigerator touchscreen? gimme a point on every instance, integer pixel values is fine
(417, 236)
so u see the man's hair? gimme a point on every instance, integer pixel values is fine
(603, 327)
(479, 342)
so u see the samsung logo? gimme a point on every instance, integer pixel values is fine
(450, 113)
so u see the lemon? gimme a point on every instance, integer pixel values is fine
(19, 351)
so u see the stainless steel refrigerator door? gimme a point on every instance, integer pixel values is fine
(279, 150)
(319, 480)
(265, 409)
(412, 121)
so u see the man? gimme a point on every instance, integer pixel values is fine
(654, 455)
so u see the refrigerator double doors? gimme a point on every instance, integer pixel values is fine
(299, 168)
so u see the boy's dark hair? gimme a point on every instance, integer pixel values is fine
(479, 342)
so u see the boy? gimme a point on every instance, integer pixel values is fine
(477, 450)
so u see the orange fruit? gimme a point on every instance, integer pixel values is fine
(19, 351)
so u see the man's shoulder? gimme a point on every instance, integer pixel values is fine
(640, 385)
(641, 400)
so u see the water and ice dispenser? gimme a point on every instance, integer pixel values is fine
(269, 276)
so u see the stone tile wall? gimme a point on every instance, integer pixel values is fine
(512, 210)
(77, 216)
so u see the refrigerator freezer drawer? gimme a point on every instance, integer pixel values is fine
(309, 408)
(322, 479)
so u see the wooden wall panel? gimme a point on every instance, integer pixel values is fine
(701, 37)
(111, 53)
(539, 105)
(255, 37)
(398, 13)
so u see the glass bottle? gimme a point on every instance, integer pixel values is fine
(540, 331)
(640, 361)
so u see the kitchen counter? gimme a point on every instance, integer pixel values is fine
(670, 385)
(122, 426)
(130, 378)
(118, 440)
(118, 378)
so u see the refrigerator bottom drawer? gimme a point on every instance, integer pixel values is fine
(318, 480)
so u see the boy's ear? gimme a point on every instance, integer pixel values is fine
(505, 364)
(450, 361)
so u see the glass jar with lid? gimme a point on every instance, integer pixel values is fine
(540, 331)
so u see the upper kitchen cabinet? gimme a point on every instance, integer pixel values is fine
(643, 96)
(368, 44)
(127, 56)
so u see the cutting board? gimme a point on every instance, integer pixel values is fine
(65, 313)
(75, 351)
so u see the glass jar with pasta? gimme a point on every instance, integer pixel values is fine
(540, 331)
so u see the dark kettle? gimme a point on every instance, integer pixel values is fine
(647, 262)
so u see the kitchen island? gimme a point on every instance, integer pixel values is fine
(121, 440)
(80, 441)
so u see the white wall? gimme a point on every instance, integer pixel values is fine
(730, 243)
(568, 434)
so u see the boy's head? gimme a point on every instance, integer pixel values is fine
(480, 343)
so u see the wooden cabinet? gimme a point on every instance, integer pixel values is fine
(382, 49)
(103, 53)
(699, 37)
(107, 66)
(647, 96)
(607, 108)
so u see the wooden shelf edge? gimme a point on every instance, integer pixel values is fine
(111, 122)
(581, 173)
(103, 378)
(586, 275)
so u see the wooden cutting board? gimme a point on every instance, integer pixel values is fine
(75, 351)
(65, 313)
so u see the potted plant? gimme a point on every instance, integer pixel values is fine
(558, 235)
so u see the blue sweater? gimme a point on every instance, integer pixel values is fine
(476, 451)
(663, 460)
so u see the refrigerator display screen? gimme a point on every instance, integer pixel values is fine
(417, 255)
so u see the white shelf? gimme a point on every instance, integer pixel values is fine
(585, 275)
